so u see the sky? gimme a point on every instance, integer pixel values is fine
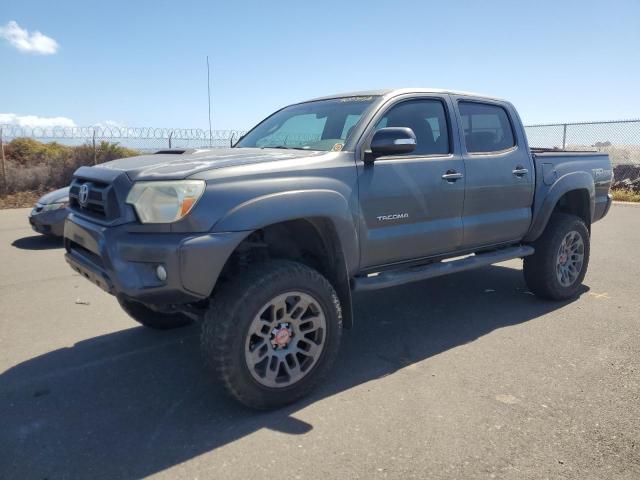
(143, 63)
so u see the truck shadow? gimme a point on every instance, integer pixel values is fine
(38, 242)
(136, 402)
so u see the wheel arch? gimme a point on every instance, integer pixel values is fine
(573, 193)
(313, 241)
(271, 209)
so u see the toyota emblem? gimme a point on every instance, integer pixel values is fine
(83, 196)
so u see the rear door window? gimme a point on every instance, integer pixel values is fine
(486, 127)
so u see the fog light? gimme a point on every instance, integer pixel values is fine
(161, 273)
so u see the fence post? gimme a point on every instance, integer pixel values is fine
(4, 172)
(170, 135)
(564, 137)
(95, 153)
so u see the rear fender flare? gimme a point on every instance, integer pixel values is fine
(566, 183)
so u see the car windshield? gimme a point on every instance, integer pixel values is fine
(321, 125)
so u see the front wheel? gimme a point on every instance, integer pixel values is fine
(556, 270)
(273, 333)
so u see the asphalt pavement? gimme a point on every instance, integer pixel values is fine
(465, 376)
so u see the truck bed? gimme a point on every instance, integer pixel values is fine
(554, 167)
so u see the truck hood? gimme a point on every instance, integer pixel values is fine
(57, 196)
(179, 165)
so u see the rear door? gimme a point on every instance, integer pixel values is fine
(408, 209)
(499, 173)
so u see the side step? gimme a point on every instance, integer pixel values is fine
(393, 278)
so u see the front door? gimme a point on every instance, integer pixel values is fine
(409, 210)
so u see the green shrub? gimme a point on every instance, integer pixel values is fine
(28, 152)
(33, 165)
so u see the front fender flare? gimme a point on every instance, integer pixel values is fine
(279, 207)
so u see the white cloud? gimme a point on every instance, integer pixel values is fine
(28, 42)
(35, 121)
(108, 124)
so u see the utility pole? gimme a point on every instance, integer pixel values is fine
(95, 153)
(209, 97)
(4, 172)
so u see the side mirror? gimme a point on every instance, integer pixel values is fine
(392, 141)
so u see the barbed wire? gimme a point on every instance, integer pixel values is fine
(587, 122)
(53, 132)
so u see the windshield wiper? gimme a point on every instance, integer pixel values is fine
(284, 147)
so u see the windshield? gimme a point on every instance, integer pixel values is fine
(321, 125)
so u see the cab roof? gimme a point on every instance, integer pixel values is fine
(392, 92)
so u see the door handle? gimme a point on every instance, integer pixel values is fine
(520, 171)
(452, 176)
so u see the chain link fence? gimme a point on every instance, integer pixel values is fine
(620, 139)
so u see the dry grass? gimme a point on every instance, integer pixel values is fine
(20, 199)
(625, 195)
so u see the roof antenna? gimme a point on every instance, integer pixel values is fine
(209, 96)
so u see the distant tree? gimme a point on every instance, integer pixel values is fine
(600, 145)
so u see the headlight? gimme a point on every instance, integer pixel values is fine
(55, 206)
(164, 201)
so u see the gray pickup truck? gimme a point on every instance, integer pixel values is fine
(266, 241)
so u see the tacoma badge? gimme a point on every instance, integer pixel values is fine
(393, 216)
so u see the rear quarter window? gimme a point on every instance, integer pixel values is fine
(486, 127)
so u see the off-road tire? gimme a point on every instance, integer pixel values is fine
(151, 318)
(228, 321)
(540, 268)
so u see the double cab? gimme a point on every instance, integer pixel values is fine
(265, 242)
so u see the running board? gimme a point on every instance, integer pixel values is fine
(392, 278)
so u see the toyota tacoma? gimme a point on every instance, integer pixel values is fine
(265, 242)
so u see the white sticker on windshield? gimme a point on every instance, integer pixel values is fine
(356, 99)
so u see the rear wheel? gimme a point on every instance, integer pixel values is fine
(556, 270)
(272, 335)
(151, 318)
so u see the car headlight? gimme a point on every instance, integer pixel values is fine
(164, 201)
(55, 206)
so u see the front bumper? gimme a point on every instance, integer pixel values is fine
(123, 262)
(48, 223)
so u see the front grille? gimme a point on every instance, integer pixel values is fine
(100, 202)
